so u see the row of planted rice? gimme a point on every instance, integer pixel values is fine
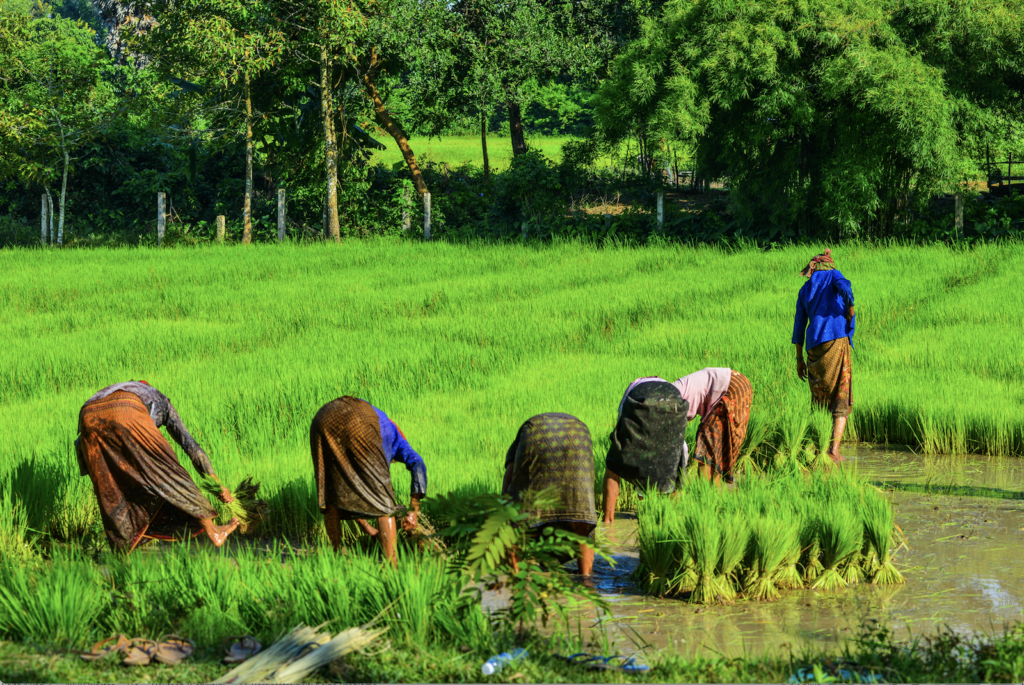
(823, 531)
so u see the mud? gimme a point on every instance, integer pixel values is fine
(962, 566)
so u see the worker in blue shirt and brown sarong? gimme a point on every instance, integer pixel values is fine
(825, 320)
(554, 450)
(353, 444)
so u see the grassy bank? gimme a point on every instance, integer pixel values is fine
(459, 150)
(460, 344)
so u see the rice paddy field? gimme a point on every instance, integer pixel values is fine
(461, 150)
(460, 344)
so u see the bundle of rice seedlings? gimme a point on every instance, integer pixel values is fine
(788, 577)
(795, 427)
(818, 457)
(658, 565)
(839, 533)
(810, 547)
(878, 529)
(249, 509)
(852, 570)
(772, 539)
(732, 550)
(425, 536)
(298, 654)
(704, 538)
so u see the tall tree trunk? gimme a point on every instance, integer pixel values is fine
(247, 205)
(330, 145)
(483, 143)
(515, 123)
(395, 131)
(49, 212)
(63, 195)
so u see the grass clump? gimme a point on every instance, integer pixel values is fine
(774, 531)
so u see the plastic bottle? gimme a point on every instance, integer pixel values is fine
(496, 663)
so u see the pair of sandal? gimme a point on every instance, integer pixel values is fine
(607, 663)
(170, 650)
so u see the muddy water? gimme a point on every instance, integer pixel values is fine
(963, 569)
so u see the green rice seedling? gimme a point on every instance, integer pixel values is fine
(821, 425)
(734, 541)
(659, 564)
(795, 427)
(810, 544)
(55, 605)
(840, 535)
(704, 541)
(758, 429)
(772, 539)
(15, 543)
(878, 529)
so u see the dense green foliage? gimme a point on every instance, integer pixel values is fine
(829, 119)
(827, 114)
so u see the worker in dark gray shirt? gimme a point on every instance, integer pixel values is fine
(142, 489)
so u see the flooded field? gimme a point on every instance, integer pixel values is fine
(963, 518)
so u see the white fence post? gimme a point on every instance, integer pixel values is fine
(280, 215)
(46, 216)
(220, 228)
(661, 211)
(406, 204)
(959, 214)
(161, 219)
(426, 216)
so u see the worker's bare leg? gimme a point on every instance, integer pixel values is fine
(838, 428)
(586, 557)
(611, 495)
(218, 534)
(387, 536)
(332, 524)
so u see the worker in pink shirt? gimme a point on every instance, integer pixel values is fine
(648, 443)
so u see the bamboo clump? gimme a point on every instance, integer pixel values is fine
(775, 531)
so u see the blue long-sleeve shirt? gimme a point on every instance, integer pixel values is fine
(396, 448)
(821, 309)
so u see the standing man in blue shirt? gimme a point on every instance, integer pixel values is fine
(353, 444)
(824, 322)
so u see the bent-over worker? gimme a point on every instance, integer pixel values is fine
(353, 444)
(554, 450)
(720, 396)
(142, 489)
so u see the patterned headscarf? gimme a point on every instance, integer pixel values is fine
(822, 262)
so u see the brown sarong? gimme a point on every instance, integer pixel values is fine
(721, 433)
(141, 487)
(830, 375)
(348, 460)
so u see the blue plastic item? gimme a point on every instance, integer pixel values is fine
(496, 663)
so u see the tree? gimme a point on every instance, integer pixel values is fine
(217, 49)
(827, 113)
(53, 102)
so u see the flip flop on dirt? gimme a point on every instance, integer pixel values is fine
(140, 652)
(240, 648)
(105, 647)
(172, 649)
